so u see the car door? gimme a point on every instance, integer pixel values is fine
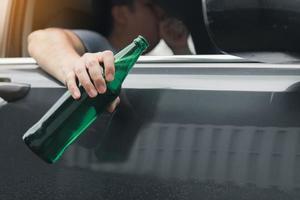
(199, 127)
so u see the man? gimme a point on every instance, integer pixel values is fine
(62, 53)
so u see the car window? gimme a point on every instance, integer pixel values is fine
(79, 14)
(213, 27)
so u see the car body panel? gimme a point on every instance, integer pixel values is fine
(198, 130)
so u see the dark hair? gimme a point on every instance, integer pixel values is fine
(103, 16)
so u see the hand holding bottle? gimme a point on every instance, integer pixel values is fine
(91, 75)
(67, 119)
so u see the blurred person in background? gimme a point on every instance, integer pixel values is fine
(76, 54)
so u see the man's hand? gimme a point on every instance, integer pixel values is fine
(175, 34)
(90, 73)
(92, 70)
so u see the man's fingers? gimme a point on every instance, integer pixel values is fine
(107, 57)
(96, 71)
(71, 85)
(85, 81)
(90, 73)
(113, 105)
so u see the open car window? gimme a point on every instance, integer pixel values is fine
(215, 27)
(69, 14)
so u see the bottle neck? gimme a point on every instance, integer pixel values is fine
(124, 61)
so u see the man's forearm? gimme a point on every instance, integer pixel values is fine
(62, 54)
(54, 49)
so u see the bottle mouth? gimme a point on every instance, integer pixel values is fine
(141, 41)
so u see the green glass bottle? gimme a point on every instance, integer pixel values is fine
(67, 119)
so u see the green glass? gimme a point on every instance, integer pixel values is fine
(67, 119)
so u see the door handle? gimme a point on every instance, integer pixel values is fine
(13, 91)
(5, 79)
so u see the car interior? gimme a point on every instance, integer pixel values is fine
(213, 26)
(77, 14)
(234, 27)
(62, 13)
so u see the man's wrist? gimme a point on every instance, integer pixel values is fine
(67, 65)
